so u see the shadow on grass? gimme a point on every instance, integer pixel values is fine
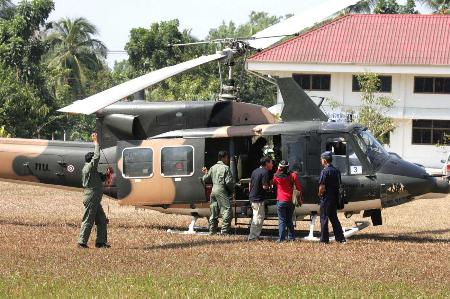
(191, 243)
(410, 238)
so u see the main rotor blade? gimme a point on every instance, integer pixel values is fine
(118, 92)
(299, 22)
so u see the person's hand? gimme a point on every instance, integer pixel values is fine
(94, 137)
(205, 170)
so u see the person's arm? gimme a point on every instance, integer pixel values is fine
(322, 184)
(229, 182)
(96, 157)
(207, 175)
(266, 181)
(297, 184)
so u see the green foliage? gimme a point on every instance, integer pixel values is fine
(21, 48)
(148, 50)
(6, 9)
(24, 97)
(3, 133)
(387, 7)
(374, 108)
(21, 107)
(74, 52)
(384, 7)
(438, 6)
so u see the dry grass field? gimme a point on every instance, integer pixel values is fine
(409, 256)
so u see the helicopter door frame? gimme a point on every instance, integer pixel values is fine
(367, 168)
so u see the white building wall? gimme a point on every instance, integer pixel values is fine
(408, 106)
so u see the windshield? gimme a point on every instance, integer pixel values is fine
(375, 152)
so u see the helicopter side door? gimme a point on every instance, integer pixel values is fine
(303, 154)
(358, 180)
(160, 172)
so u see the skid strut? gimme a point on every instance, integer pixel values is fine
(348, 232)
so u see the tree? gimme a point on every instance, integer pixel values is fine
(383, 7)
(74, 52)
(409, 8)
(438, 6)
(148, 51)
(374, 109)
(24, 98)
(6, 9)
(386, 7)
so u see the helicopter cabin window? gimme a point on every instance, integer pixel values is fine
(375, 152)
(338, 146)
(344, 156)
(177, 161)
(137, 162)
(313, 81)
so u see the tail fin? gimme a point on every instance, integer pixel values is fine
(297, 104)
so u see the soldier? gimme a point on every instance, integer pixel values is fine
(329, 181)
(222, 193)
(93, 192)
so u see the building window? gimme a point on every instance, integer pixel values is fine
(137, 162)
(385, 84)
(430, 131)
(313, 82)
(431, 85)
(177, 161)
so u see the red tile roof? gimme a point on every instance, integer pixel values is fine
(369, 39)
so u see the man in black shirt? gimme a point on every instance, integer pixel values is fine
(259, 185)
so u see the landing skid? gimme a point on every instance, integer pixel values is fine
(192, 229)
(348, 232)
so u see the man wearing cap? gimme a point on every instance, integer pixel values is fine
(329, 182)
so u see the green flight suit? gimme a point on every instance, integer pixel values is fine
(93, 192)
(221, 196)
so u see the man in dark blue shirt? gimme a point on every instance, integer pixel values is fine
(329, 182)
(259, 185)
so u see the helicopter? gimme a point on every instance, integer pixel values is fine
(154, 152)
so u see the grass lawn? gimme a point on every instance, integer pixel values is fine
(407, 257)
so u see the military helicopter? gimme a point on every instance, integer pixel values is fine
(156, 150)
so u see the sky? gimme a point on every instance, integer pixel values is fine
(115, 18)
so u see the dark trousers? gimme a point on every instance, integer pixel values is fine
(328, 211)
(285, 212)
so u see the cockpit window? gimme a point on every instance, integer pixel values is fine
(375, 152)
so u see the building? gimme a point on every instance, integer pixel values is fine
(410, 53)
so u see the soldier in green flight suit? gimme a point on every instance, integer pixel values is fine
(93, 192)
(222, 193)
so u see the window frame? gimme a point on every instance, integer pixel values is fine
(378, 91)
(434, 85)
(139, 177)
(176, 176)
(311, 81)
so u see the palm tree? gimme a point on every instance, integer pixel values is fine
(74, 51)
(438, 6)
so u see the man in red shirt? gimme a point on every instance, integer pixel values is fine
(285, 181)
